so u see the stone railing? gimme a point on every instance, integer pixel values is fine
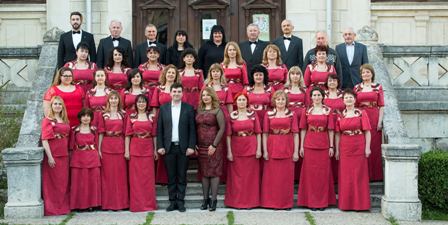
(23, 162)
(400, 198)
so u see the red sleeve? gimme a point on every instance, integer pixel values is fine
(229, 98)
(295, 123)
(285, 73)
(380, 96)
(140, 68)
(307, 76)
(87, 100)
(201, 80)
(257, 127)
(94, 66)
(365, 122)
(303, 120)
(47, 129)
(245, 76)
(49, 93)
(69, 65)
(266, 123)
(155, 98)
(229, 128)
(101, 126)
(337, 127)
(330, 125)
(122, 97)
(129, 131)
(154, 125)
(71, 145)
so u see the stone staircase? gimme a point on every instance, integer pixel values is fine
(193, 198)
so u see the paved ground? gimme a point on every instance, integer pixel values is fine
(221, 216)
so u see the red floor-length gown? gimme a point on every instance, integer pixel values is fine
(117, 80)
(73, 101)
(141, 164)
(236, 78)
(316, 188)
(85, 188)
(55, 181)
(336, 105)
(192, 87)
(82, 77)
(150, 77)
(277, 77)
(353, 185)
(96, 103)
(243, 177)
(371, 101)
(114, 174)
(277, 186)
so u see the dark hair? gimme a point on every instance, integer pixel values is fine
(110, 60)
(367, 67)
(76, 13)
(132, 75)
(349, 91)
(153, 48)
(186, 44)
(258, 69)
(84, 112)
(321, 49)
(176, 85)
(333, 76)
(318, 89)
(141, 96)
(82, 45)
(188, 51)
(218, 28)
(94, 75)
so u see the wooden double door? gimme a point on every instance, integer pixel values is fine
(196, 17)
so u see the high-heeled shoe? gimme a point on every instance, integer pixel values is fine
(205, 203)
(213, 205)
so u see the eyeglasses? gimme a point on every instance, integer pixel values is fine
(66, 76)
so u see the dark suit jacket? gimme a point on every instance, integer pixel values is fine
(350, 72)
(187, 128)
(332, 58)
(294, 55)
(140, 53)
(252, 58)
(105, 50)
(67, 51)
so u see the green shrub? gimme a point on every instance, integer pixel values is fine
(10, 122)
(433, 180)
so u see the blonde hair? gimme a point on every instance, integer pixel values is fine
(215, 100)
(265, 55)
(162, 78)
(120, 104)
(64, 116)
(215, 66)
(58, 75)
(276, 95)
(239, 59)
(295, 69)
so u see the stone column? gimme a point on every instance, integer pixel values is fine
(400, 198)
(24, 182)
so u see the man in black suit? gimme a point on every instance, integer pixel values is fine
(290, 46)
(353, 55)
(332, 56)
(252, 49)
(176, 139)
(109, 43)
(140, 51)
(70, 40)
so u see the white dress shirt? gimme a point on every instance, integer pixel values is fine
(114, 42)
(76, 38)
(287, 42)
(175, 116)
(151, 44)
(253, 46)
(350, 49)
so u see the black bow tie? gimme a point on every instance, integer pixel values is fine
(253, 42)
(286, 38)
(76, 32)
(116, 39)
(151, 43)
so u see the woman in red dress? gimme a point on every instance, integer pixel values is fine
(139, 150)
(235, 70)
(114, 177)
(73, 95)
(277, 71)
(152, 69)
(117, 70)
(96, 97)
(370, 97)
(170, 75)
(192, 79)
(243, 153)
(85, 188)
(316, 74)
(210, 125)
(134, 88)
(333, 99)
(280, 150)
(353, 149)
(259, 92)
(316, 188)
(295, 89)
(82, 68)
(55, 166)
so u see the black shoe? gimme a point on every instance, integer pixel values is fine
(181, 207)
(171, 207)
(205, 204)
(313, 209)
(213, 205)
(321, 209)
